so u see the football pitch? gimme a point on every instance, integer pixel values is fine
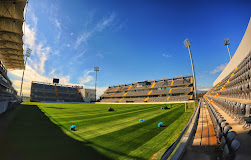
(42, 131)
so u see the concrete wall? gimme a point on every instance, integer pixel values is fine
(241, 52)
(3, 106)
(88, 94)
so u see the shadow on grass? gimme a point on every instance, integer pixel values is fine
(31, 135)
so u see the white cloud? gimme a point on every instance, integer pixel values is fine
(59, 29)
(201, 88)
(106, 22)
(57, 23)
(30, 36)
(30, 30)
(34, 18)
(166, 55)
(204, 89)
(100, 55)
(56, 52)
(52, 71)
(219, 68)
(74, 58)
(81, 54)
(100, 91)
(58, 26)
(42, 55)
(71, 34)
(83, 38)
(40, 52)
(25, 88)
(87, 78)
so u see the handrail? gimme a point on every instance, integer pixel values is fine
(173, 146)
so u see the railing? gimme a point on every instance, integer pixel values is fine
(170, 150)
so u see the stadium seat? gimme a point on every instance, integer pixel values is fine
(175, 89)
(49, 92)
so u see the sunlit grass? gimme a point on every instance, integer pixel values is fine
(113, 135)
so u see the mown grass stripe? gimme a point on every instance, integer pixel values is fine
(95, 113)
(164, 139)
(90, 132)
(137, 134)
(119, 134)
(116, 113)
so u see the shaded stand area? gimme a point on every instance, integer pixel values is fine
(31, 135)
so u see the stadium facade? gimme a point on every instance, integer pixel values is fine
(231, 97)
(158, 90)
(52, 92)
(241, 53)
(88, 94)
(235, 80)
(11, 49)
(223, 117)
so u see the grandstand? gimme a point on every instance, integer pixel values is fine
(158, 90)
(55, 92)
(222, 122)
(11, 49)
(8, 95)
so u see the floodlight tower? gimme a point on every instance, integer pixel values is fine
(96, 69)
(28, 53)
(226, 43)
(187, 44)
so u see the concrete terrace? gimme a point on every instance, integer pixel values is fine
(204, 141)
(244, 152)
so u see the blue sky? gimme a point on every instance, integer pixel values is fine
(129, 40)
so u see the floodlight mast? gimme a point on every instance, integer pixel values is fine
(96, 69)
(187, 44)
(227, 43)
(28, 53)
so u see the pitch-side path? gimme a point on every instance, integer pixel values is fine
(204, 141)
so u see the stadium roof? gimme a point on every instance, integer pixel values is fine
(163, 79)
(241, 52)
(11, 42)
(56, 84)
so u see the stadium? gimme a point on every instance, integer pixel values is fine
(45, 114)
(164, 90)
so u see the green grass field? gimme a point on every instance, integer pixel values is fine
(42, 131)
